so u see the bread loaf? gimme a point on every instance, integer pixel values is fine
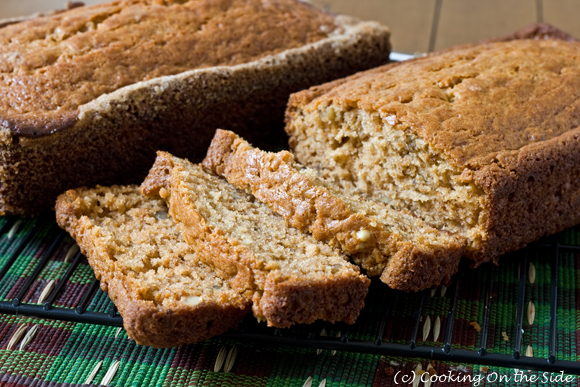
(482, 141)
(90, 94)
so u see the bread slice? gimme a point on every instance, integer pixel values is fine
(165, 295)
(482, 140)
(290, 277)
(90, 94)
(407, 253)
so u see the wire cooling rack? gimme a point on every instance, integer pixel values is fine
(516, 315)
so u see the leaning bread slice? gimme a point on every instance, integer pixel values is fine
(165, 295)
(291, 277)
(407, 253)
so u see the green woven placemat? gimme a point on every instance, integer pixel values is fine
(59, 353)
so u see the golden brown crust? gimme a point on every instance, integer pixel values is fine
(274, 295)
(537, 31)
(19, 19)
(146, 322)
(284, 298)
(165, 328)
(65, 68)
(530, 193)
(274, 179)
(412, 269)
(113, 139)
(158, 177)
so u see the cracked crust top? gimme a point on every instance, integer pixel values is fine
(435, 97)
(65, 60)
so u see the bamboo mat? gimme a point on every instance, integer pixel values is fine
(58, 353)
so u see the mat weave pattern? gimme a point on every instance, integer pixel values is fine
(58, 353)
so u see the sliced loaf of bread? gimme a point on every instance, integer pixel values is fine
(165, 295)
(290, 277)
(406, 252)
(480, 140)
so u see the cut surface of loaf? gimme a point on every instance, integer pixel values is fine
(290, 277)
(165, 295)
(90, 94)
(407, 253)
(480, 140)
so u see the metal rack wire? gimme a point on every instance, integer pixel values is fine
(309, 336)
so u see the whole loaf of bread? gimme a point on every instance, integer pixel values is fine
(90, 94)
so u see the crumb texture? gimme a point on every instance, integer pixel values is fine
(52, 65)
(393, 166)
(370, 231)
(246, 241)
(165, 295)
